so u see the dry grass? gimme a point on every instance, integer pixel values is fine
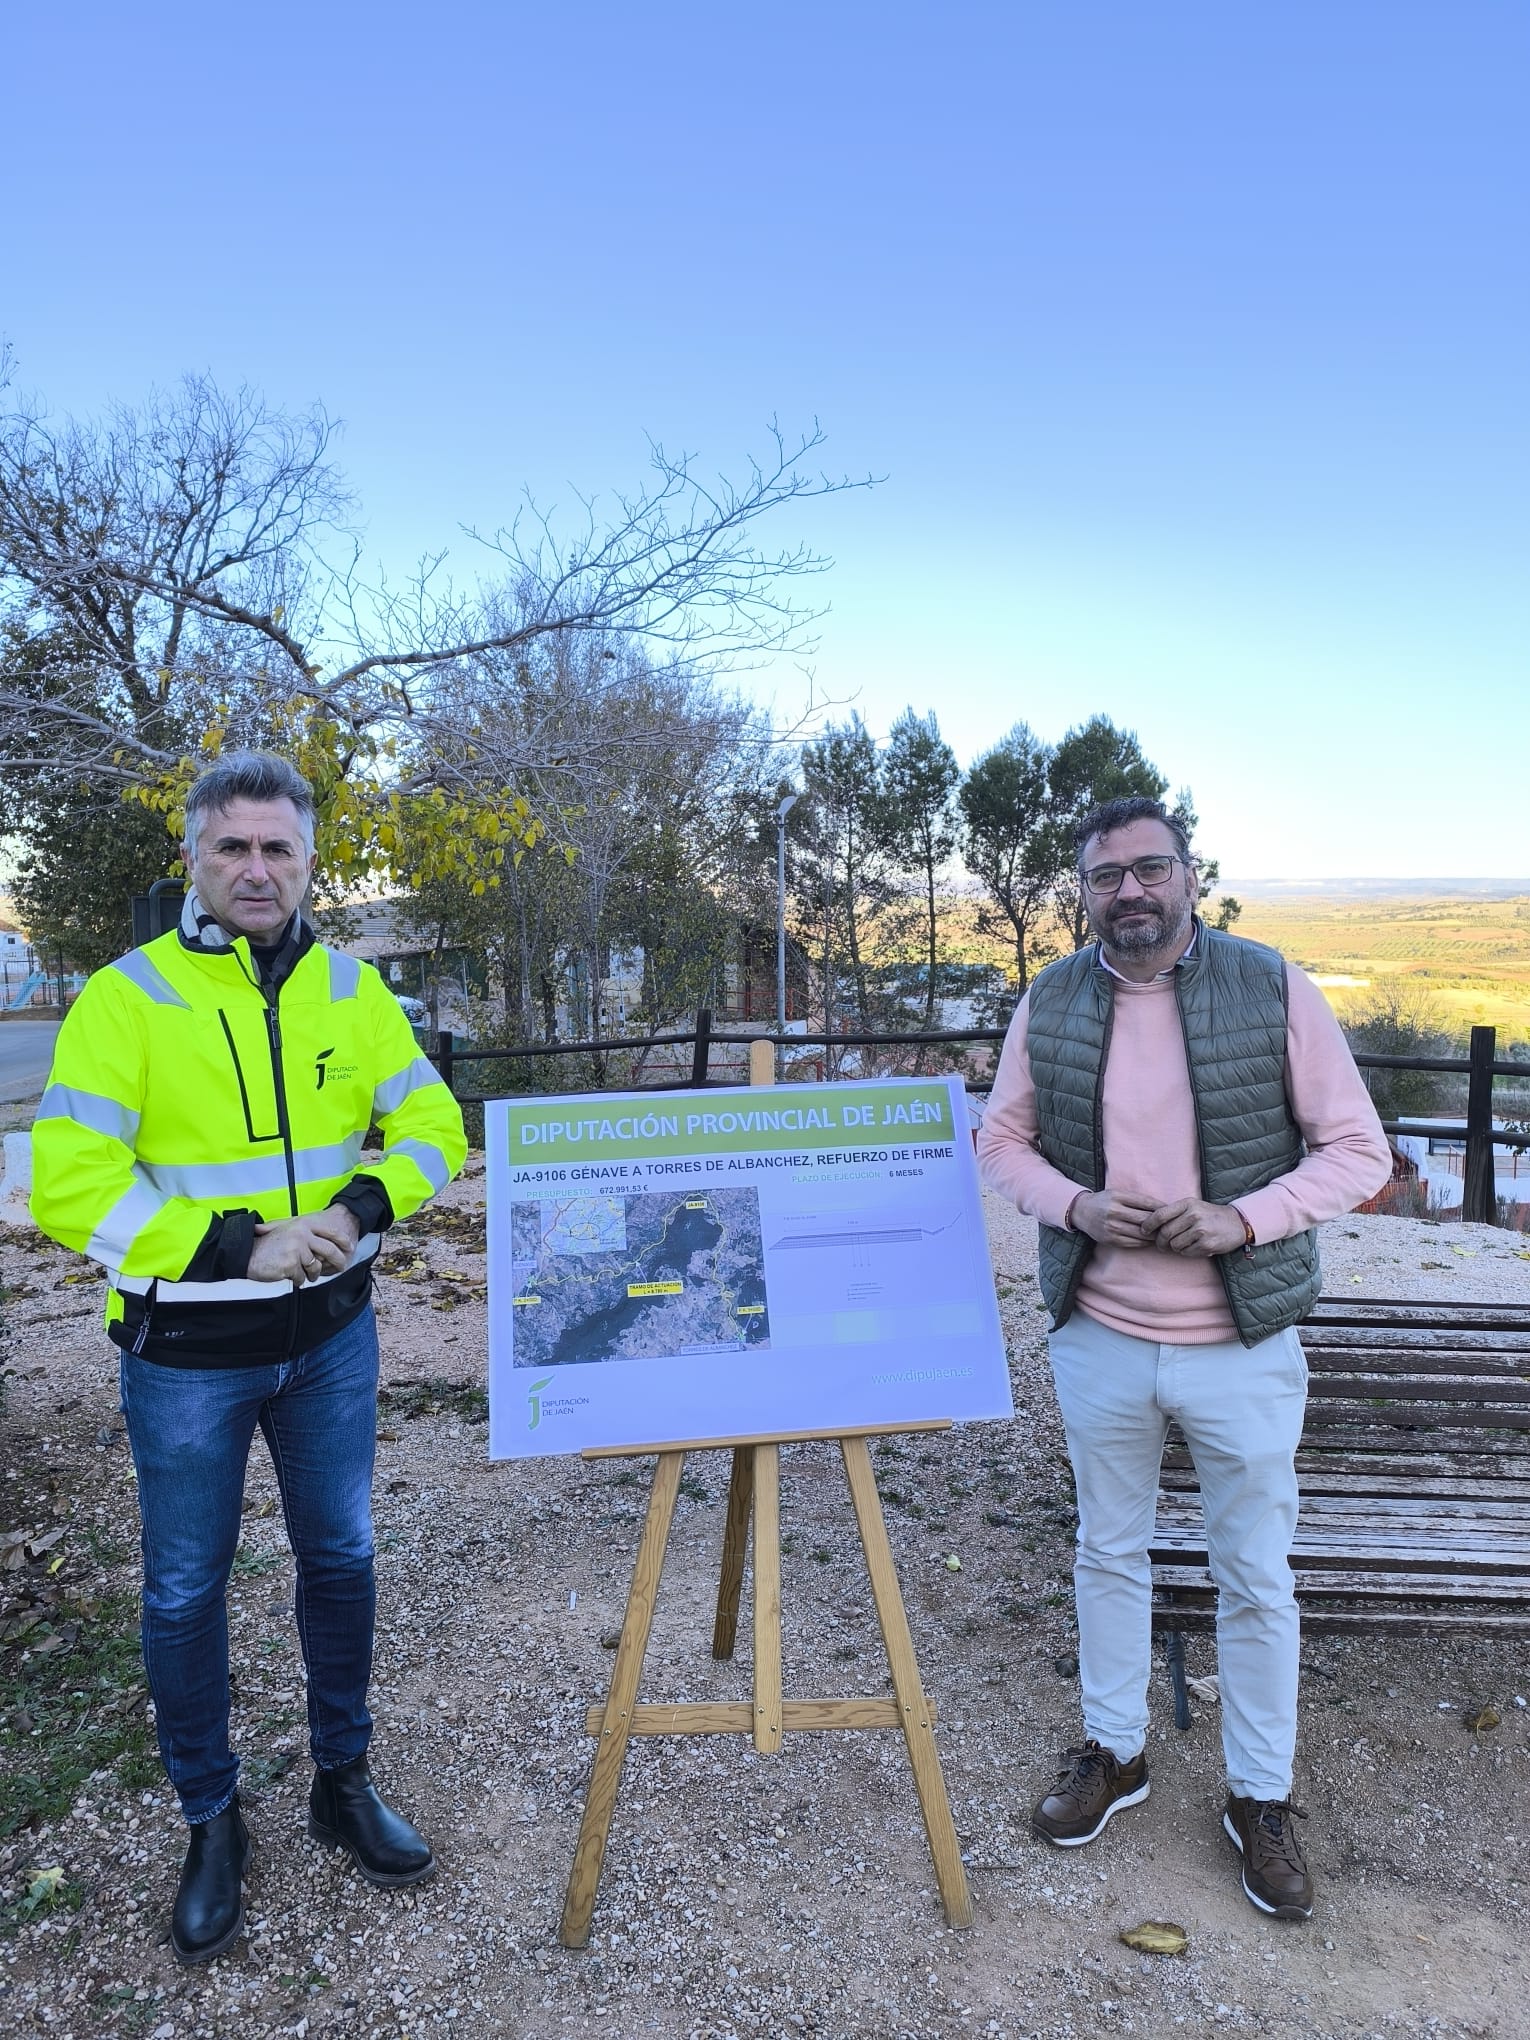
(1471, 956)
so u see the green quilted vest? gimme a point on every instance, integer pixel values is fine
(1232, 1005)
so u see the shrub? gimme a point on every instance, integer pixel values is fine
(1399, 1019)
(1402, 1197)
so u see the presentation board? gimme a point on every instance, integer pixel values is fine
(691, 1264)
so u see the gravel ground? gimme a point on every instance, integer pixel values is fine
(742, 1895)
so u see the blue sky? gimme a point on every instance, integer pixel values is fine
(1191, 339)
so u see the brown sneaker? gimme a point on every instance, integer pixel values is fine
(1275, 1873)
(1092, 1784)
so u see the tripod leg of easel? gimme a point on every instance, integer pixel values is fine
(913, 1708)
(767, 1598)
(735, 1542)
(605, 1775)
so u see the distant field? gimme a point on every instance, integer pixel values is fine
(1469, 957)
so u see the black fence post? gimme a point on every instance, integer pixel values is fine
(157, 911)
(445, 1060)
(702, 1054)
(1479, 1200)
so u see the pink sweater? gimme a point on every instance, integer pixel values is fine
(1150, 1147)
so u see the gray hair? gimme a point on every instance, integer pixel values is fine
(1120, 813)
(247, 775)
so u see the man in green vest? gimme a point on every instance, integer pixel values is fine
(1178, 1110)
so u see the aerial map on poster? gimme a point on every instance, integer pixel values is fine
(690, 1264)
(636, 1277)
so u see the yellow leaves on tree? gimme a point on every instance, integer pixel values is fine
(367, 832)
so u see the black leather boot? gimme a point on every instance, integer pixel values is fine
(209, 1906)
(346, 1811)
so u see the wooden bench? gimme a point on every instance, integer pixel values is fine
(1414, 1469)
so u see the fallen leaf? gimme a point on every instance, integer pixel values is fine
(1479, 1718)
(1469, 1252)
(265, 1771)
(1156, 1937)
(387, 1437)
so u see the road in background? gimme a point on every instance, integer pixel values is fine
(26, 1050)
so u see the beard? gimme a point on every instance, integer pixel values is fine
(1161, 925)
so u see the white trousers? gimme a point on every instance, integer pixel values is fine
(1241, 1410)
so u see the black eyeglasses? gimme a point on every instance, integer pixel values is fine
(1106, 878)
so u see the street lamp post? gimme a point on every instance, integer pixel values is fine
(781, 814)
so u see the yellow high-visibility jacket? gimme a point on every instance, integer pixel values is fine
(185, 1103)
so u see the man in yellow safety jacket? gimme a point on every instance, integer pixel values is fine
(201, 1137)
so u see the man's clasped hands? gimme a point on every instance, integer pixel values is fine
(1126, 1218)
(301, 1249)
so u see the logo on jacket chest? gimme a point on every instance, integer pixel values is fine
(326, 1071)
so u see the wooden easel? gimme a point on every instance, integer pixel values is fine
(754, 1490)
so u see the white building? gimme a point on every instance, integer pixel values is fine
(1441, 1164)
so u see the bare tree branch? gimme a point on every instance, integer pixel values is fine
(168, 565)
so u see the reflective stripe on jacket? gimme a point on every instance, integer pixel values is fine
(178, 1093)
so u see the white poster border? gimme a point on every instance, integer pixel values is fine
(848, 1214)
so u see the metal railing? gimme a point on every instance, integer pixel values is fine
(1480, 1066)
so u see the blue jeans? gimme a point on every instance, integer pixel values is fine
(190, 1429)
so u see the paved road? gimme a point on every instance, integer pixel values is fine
(26, 1050)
